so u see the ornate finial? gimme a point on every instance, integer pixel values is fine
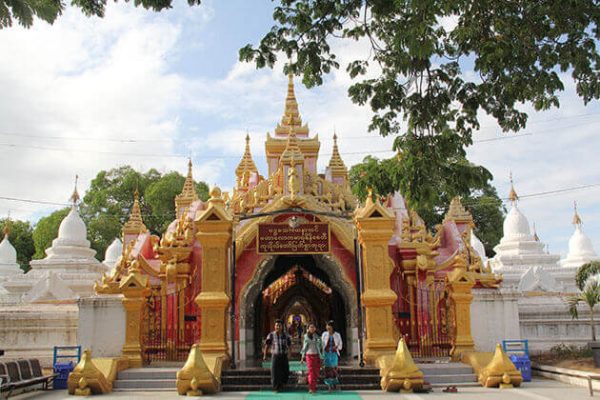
(6, 229)
(215, 192)
(246, 163)
(512, 195)
(458, 213)
(292, 151)
(535, 235)
(291, 113)
(135, 224)
(188, 194)
(75, 196)
(369, 195)
(336, 164)
(576, 218)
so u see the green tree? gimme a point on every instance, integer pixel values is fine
(385, 177)
(586, 271)
(433, 79)
(590, 295)
(160, 196)
(21, 237)
(46, 230)
(24, 11)
(107, 204)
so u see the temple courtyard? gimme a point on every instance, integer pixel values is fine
(539, 389)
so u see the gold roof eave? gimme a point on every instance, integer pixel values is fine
(275, 146)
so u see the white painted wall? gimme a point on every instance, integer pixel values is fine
(102, 325)
(494, 317)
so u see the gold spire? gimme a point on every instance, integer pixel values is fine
(6, 229)
(188, 194)
(75, 196)
(291, 113)
(292, 152)
(512, 195)
(336, 164)
(458, 213)
(135, 224)
(576, 217)
(246, 163)
(535, 235)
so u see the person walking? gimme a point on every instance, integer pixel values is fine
(279, 344)
(312, 350)
(332, 345)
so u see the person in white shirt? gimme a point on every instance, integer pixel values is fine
(332, 345)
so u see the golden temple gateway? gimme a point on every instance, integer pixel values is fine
(295, 243)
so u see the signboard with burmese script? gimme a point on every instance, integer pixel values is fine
(308, 238)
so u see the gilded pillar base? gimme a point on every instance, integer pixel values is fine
(379, 321)
(214, 307)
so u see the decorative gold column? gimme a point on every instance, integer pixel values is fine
(135, 290)
(460, 283)
(375, 228)
(214, 233)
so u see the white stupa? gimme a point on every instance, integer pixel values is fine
(112, 254)
(581, 249)
(519, 249)
(8, 257)
(8, 267)
(70, 262)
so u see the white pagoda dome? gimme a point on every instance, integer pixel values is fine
(8, 257)
(581, 249)
(519, 250)
(69, 270)
(112, 254)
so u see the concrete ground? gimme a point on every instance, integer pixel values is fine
(539, 389)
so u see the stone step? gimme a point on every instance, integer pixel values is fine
(268, 388)
(144, 384)
(462, 384)
(451, 379)
(170, 389)
(147, 373)
(447, 369)
(265, 380)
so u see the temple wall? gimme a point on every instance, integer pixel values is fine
(494, 317)
(101, 325)
(546, 322)
(32, 330)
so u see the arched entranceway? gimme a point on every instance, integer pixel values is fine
(301, 288)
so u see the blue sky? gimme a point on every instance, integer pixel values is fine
(74, 90)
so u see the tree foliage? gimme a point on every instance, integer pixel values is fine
(385, 177)
(586, 271)
(439, 66)
(46, 230)
(24, 11)
(21, 237)
(590, 296)
(107, 204)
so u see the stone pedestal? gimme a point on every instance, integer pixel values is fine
(102, 325)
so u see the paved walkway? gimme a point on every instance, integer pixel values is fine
(539, 389)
